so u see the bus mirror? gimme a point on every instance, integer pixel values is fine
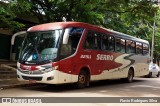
(66, 36)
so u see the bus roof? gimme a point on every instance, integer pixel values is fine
(60, 25)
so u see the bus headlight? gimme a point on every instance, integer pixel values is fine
(56, 67)
(48, 69)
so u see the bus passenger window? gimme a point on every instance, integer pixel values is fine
(145, 49)
(66, 48)
(130, 46)
(88, 43)
(92, 41)
(138, 48)
(123, 45)
(111, 43)
(120, 45)
(75, 34)
(105, 42)
(97, 41)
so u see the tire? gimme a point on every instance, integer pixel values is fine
(150, 75)
(130, 76)
(158, 74)
(83, 80)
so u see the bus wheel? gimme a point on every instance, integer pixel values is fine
(150, 75)
(82, 80)
(130, 76)
(158, 74)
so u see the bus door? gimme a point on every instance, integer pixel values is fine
(68, 51)
(88, 55)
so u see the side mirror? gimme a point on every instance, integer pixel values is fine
(66, 35)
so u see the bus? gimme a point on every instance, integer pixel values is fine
(77, 52)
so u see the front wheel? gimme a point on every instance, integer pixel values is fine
(83, 80)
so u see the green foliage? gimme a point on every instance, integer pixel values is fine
(7, 18)
(133, 17)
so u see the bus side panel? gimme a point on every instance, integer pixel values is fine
(141, 65)
(65, 68)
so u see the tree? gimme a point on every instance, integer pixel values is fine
(7, 18)
(132, 17)
(56, 10)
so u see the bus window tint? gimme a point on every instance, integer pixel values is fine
(89, 41)
(97, 38)
(111, 43)
(145, 49)
(74, 38)
(123, 44)
(130, 46)
(138, 48)
(120, 45)
(92, 41)
(105, 43)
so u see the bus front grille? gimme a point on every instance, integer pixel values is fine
(32, 78)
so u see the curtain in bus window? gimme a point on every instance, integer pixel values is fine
(120, 45)
(138, 48)
(123, 44)
(130, 46)
(145, 49)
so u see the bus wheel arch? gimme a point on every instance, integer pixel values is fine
(83, 78)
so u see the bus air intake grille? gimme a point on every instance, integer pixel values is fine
(32, 78)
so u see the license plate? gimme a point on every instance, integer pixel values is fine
(32, 81)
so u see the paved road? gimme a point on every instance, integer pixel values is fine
(141, 87)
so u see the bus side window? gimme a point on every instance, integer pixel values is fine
(111, 43)
(97, 41)
(105, 43)
(75, 34)
(118, 45)
(88, 43)
(92, 41)
(130, 46)
(123, 45)
(145, 49)
(66, 48)
(138, 48)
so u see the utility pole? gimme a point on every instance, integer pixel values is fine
(154, 31)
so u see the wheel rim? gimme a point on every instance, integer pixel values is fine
(82, 79)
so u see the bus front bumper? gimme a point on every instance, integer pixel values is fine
(48, 77)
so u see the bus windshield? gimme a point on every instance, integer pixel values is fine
(40, 46)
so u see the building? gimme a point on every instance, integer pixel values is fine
(6, 35)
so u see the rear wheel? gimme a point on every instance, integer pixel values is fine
(158, 74)
(130, 76)
(150, 74)
(83, 79)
